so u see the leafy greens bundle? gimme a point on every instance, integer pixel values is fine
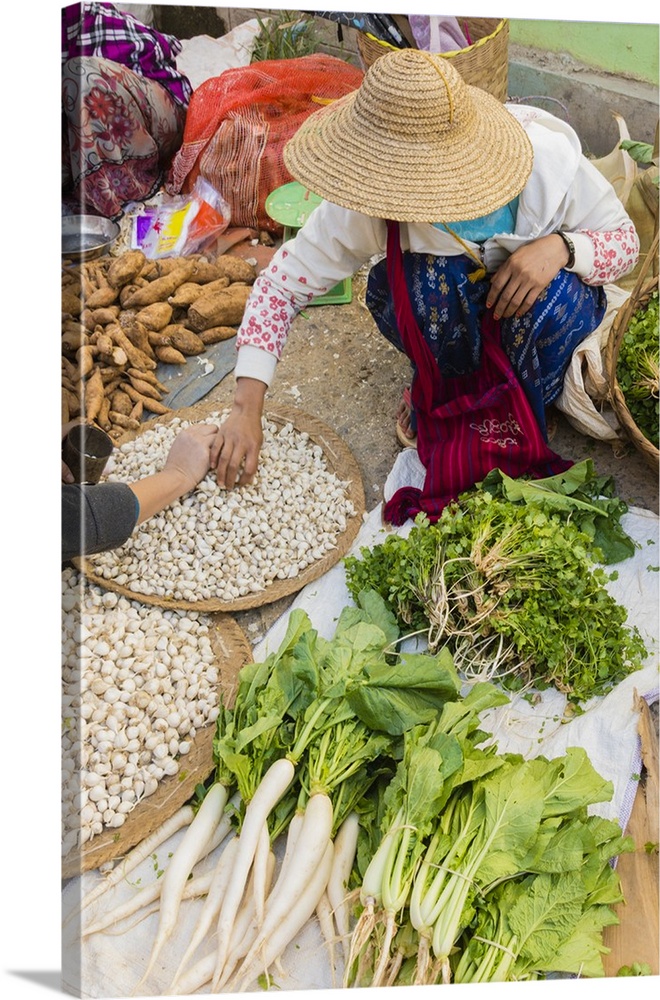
(485, 867)
(508, 579)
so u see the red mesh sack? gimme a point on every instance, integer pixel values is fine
(239, 122)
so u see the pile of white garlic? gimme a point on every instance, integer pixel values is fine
(225, 545)
(138, 682)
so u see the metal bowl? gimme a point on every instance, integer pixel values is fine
(85, 237)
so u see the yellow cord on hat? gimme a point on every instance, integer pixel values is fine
(481, 270)
(442, 76)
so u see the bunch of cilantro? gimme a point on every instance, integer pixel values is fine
(513, 569)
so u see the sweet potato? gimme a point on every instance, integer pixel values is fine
(69, 369)
(85, 358)
(102, 340)
(160, 289)
(153, 405)
(136, 332)
(104, 315)
(125, 268)
(207, 271)
(71, 303)
(124, 421)
(94, 395)
(149, 377)
(155, 316)
(116, 357)
(136, 357)
(169, 355)
(121, 402)
(137, 410)
(235, 268)
(183, 339)
(185, 295)
(165, 265)
(215, 334)
(109, 376)
(72, 402)
(73, 338)
(129, 290)
(103, 418)
(145, 388)
(221, 308)
(103, 296)
(111, 386)
(189, 291)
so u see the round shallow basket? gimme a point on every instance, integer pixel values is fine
(483, 64)
(339, 460)
(639, 297)
(232, 651)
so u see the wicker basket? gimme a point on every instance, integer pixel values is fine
(483, 64)
(640, 295)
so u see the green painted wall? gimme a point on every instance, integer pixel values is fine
(625, 49)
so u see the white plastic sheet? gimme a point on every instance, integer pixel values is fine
(110, 965)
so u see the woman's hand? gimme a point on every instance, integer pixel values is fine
(189, 458)
(235, 450)
(519, 281)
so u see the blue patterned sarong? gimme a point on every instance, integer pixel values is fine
(448, 308)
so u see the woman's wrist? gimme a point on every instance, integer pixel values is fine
(249, 395)
(158, 491)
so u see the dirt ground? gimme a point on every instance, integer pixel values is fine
(339, 368)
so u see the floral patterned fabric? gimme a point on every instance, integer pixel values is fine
(120, 131)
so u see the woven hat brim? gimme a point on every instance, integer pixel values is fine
(451, 179)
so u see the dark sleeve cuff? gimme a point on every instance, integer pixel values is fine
(96, 518)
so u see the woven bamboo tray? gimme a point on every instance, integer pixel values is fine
(232, 651)
(646, 284)
(483, 64)
(339, 460)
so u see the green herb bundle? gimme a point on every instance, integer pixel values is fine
(513, 589)
(489, 867)
(637, 368)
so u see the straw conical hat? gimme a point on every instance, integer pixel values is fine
(414, 143)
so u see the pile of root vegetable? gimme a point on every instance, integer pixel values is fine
(123, 315)
(354, 782)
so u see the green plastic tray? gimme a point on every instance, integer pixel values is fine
(291, 205)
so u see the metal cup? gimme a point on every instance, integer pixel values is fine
(86, 450)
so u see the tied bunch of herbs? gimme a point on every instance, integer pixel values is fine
(637, 368)
(509, 578)
(484, 867)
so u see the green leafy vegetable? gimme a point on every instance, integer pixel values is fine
(489, 867)
(511, 587)
(637, 368)
(579, 494)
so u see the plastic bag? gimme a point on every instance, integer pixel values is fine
(183, 224)
(585, 382)
(437, 33)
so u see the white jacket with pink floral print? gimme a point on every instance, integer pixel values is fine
(565, 190)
